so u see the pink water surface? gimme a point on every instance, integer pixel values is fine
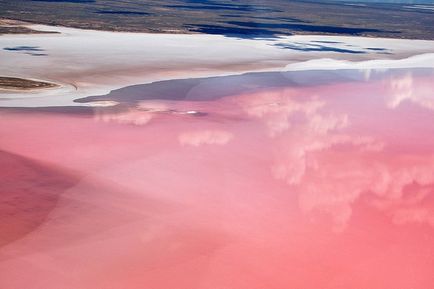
(325, 187)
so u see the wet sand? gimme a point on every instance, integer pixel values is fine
(316, 185)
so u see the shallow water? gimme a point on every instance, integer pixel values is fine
(324, 182)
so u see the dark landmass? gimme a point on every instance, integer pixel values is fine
(15, 83)
(243, 18)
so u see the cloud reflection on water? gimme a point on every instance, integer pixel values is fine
(332, 169)
(330, 181)
(315, 148)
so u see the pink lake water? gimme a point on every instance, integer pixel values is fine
(320, 184)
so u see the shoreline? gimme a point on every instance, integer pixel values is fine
(114, 60)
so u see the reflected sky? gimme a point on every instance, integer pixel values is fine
(268, 182)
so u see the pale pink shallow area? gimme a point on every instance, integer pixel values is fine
(326, 187)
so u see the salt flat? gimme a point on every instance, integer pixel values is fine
(88, 62)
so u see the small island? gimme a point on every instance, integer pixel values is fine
(15, 83)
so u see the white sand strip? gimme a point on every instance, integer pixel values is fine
(88, 62)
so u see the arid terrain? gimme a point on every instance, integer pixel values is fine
(244, 18)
